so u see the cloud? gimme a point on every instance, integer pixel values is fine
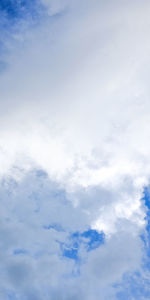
(36, 259)
(75, 105)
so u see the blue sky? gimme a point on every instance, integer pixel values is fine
(74, 150)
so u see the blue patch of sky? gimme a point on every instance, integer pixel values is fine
(13, 14)
(146, 237)
(94, 239)
(20, 251)
(14, 10)
(133, 286)
(16, 17)
(90, 240)
(71, 253)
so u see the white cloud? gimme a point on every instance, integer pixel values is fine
(75, 103)
(26, 208)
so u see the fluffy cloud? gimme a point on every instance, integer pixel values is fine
(74, 104)
(37, 218)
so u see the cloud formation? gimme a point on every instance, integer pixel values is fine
(74, 86)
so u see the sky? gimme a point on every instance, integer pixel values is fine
(74, 150)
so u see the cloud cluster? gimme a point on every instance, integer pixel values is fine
(74, 103)
(37, 218)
